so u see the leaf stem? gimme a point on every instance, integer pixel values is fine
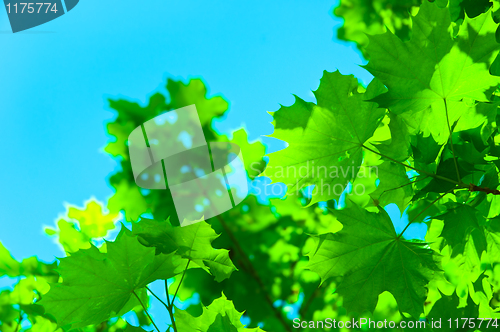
(146, 311)
(420, 171)
(156, 296)
(451, 141)
(20, 321)
(170, 307)
(404, 185)
(180, 282)
(427, 207)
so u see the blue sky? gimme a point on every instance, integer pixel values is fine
(57, 77)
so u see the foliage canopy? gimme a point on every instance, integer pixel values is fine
(421, 139)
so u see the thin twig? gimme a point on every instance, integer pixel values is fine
(451, 142)
(20, 321)
(428, 206)
(170, 308)
(180, 282)
(420, 171)
(459, 184)
(156, 296)
(404, 185)
(146, 311)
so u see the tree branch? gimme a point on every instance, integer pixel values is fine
(473, 187)
(146, 311)
(254, 274)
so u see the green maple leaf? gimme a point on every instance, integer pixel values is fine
(481, 117)
(118, 147)
(425, 149)
(446, 170)
(133, 112)
(447, 307)
(434, 70)
(131, 328)
(493, 239)
(222, 324)
(193, 242)
(24, 291)
(461, 265)
(41, 324)
(130, 115)
(473, 8)
(195, 92)
(70, 238)
(362, 17)
(7, 312)
(93, 222)
(464, 240)
(97, 286)
(324, 140)
(398, 147)
(253, 153)
(460, 226)
(394, 186)
(128, 198)
(220, 316)
(371, 258)
(8, 265)
(31, 266)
